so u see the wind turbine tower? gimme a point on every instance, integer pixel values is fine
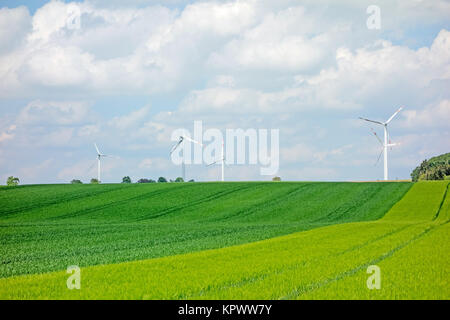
(386, 142)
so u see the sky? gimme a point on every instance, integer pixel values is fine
(126, 74)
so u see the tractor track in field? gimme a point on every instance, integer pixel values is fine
(442, 202)
(317, 285)
(209, 198)
(273, 201)
(341, 211)
(115, 203)
(278, 271)
(59, 201)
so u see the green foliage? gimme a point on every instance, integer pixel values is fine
(276, 179)
(95, 181)
(57, 226)
(126, 179)
(74, 181)
(12, 181)
(179, 179)
(146, 181)
(162, 180)
(437, 168)
(410, 247)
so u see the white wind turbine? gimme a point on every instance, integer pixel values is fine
(222, 161)
(180, 141)
(99, 157)
(387, 143)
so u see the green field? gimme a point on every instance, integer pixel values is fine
(226, 240)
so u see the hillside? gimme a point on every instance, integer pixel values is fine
(411, 242)
(46, 228)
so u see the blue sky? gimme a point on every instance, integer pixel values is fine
(130, 73)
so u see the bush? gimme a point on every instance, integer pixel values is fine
(94, 181)
(179, 179)
(12, 181)
(276, 179)
(75, 181)
(146, 181)
(162, 180)
(126, 179)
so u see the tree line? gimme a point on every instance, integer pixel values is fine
(436, 168)
(127, 179)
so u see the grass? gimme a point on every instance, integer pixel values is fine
(410, 245)
(47, 228)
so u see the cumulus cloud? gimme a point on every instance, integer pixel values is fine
(130, 120)
(14, 26)
(42, 113)
(305, 69)
(8, 134)
(434, 115)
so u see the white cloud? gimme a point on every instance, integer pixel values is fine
(14, 25)
(8, 134)
(42, 113)
(434, 116)
(279, 43)
(88, 130)
(130, 120)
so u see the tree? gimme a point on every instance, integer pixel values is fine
(276, 179)
(146, 181)
(162, 180)
(126, 179)
(192, 180)
(94, 181)
(75, 181)
(12, 181)
(435, 168)
(179, 179)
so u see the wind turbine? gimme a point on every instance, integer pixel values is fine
(222, 161)
(387, 143)
(180, 141)
(99, 157)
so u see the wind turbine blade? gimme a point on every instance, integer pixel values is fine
(176, 146)
(382, 150)
(96, 148)
(213, 163)
(377, 122)
(376, 136)
(92, 166)
(192, 140)
(392, 117)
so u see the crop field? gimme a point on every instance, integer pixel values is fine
(226, 241)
